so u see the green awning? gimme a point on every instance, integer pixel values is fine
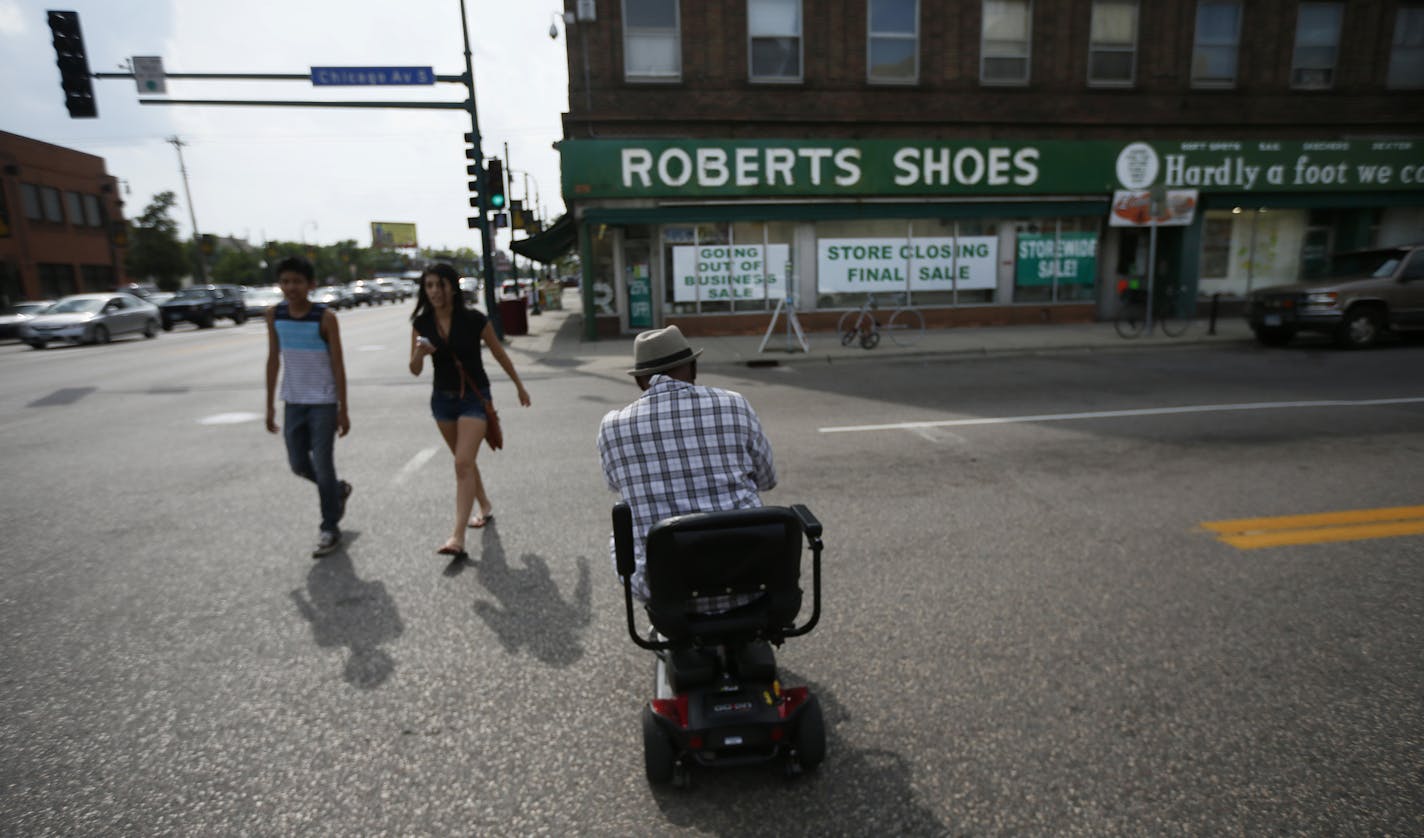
(550, 245)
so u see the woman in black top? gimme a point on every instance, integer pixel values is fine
(445, 329)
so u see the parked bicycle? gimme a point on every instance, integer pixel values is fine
(1131, 319)
(906, 325)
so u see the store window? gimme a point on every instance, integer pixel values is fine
(1216, 245)
(925, 262)
(1004, 42)
(1056, 261)
(1112, 47)
(1406, 55)
(719, 268)
(892, 43)
(97, 277)
(601, 245)
(774, 32)
(1218, 36)
(56, 280)
(652, 40)
(1317, 41)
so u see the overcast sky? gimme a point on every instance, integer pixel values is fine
(314, 174)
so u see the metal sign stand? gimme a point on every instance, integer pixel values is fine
(786, 304)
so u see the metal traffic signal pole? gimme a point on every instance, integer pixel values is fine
(486, 240)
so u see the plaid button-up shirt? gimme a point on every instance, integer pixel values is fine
(684, 448)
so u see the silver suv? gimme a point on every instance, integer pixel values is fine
(1367, 293)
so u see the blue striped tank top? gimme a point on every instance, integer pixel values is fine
(306, 362)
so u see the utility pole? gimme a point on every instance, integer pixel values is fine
(486, 240)
(192, 213)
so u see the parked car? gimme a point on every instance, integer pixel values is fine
(333, 296)
(1367, 294)
(256, 301)
(12, 317)
(91, 318)
(202, 305)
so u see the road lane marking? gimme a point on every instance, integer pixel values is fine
(228, 418)
(1350, 525)
(1115, 414)
(421, 458)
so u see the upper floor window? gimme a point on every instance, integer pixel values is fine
(1217, 38)
(1406, 55)
(652, 40)
(1112, 46)
(892, 43)
(93, 216)
(1004, 42)
(74, 208)
(1317, 44)
(49, 199)
(774, 30)
(30, 197)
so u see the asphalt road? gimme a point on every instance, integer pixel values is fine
(1026, 628)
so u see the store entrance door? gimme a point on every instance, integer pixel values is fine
(638, 284)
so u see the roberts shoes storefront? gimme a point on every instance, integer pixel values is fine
(715, 235)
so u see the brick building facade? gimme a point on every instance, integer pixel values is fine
(697, 130)
(59, 209)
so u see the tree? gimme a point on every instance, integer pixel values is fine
(155, 251)
(238, 267)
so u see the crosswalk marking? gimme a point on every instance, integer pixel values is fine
(1349, 525)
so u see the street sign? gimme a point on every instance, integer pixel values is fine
(361, 76)
(148, 74)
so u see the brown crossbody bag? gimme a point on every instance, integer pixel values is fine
(493, 434)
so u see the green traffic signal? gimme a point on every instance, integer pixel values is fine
(494, 184)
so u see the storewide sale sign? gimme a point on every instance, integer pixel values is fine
(729, 272)
(848, 266)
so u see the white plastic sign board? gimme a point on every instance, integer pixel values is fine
(852, 266)
(729, 272)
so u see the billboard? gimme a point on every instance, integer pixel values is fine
(393, 234)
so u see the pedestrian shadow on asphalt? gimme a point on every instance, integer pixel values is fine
(529, 613)
(856, 791)
(347, 611)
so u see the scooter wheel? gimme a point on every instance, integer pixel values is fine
(659, 759)
(810, 736)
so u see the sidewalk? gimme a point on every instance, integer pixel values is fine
(556, 339)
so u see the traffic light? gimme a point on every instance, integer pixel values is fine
(474, 171)
(73, 63)
(494, 184)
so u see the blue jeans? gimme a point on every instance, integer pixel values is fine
(310, 431)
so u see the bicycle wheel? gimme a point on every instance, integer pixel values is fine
(1129, 321)
(847, 329)
(907, 326)
(1172, 325)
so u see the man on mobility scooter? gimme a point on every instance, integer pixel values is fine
(718, 572)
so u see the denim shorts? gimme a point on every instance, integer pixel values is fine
(449, 406)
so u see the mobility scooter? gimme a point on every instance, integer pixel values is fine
(717, 699)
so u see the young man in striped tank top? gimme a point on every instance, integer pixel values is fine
(304, 336)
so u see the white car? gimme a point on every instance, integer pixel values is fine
(91, 318)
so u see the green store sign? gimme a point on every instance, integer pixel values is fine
(906, 168)
(1067, 258)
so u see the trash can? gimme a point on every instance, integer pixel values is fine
(514, 316)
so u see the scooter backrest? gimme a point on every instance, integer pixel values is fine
(744, 551)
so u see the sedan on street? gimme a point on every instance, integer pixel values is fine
(13, 317)
(256, 301)
(91, 318)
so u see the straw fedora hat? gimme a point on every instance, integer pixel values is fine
(660, 350)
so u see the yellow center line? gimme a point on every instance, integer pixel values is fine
(1351, 525)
